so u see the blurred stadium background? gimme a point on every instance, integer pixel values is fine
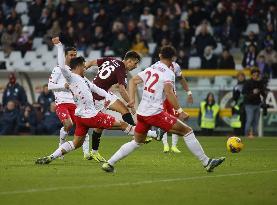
(215, 40)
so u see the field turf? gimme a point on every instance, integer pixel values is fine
(148, 176)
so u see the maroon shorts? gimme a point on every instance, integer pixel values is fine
(163, 120)
(66, 111)
(169, 108)
(101, 120)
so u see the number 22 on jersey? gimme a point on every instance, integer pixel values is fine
(151, 80)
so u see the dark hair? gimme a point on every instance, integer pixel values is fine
(76, 62)
(71, 48)
(168, 52)
(255, 70)
(132, 55)
(213, 102)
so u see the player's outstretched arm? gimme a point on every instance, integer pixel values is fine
(185, 86)
(133, 88)
(99, 91)
(61, 61)
(124, 93)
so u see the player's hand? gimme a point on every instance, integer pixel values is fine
(131, 104)
(66, 85)
(190, 99)
(183, 116)
(56, 40)
(256, 91)
(133, 111)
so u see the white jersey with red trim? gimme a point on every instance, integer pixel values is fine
(56, 84)
(154, 78)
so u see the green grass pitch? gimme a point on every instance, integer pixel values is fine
(148, 176)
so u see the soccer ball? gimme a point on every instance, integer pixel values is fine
(234, 144)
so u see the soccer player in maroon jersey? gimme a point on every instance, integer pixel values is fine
(113, 72)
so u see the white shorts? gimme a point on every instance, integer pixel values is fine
(100, 104)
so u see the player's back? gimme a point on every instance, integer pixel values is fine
(111, 72)
(154, 79)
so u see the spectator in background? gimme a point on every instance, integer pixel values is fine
(98, 40)
(208, 115)
(209, 60)
(239, 19)
(249, 57)
(265, 70)
(218, 18)
(252, 90)
(197, 15)
(140, 46)
(102, 19)
(24, 42)
(14, 91)
(12, 18)
(9, 119)
(50, 123)
(226, 61)
(203, 40)
(43, 23)
(82, 41)
(251, 39)
(121, 45)
(269, 35)
(183, 59)
(132, 30)
(85, 16)
(45, 98)
(55, 30)
(182, 37)
(35, 11)
(147, 17)
(238, 109)
(27, 121)
(270, 56)
(8, 40)
(229, 35)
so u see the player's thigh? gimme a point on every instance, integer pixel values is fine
(119, 106)
(180, 128)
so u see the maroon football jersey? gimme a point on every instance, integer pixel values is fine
(111, 72)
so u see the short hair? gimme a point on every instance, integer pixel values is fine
(167, 52)
(71, 48)
(132, 55)
(255, 70)
(78, 61)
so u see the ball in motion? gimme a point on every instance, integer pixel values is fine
(234, 144)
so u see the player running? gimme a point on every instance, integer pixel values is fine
(86, 115)
(158, 82)
(113, 72)
(170, 109)
(64, 100)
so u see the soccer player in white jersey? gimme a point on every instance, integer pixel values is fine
(64, 100)
(170, 109)
(158, 83)
(86, 115)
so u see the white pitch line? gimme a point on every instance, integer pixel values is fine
(132, 183)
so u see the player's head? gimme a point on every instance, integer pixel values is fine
(77, 65)
(70, 52)
(167, 53)
(131, 60)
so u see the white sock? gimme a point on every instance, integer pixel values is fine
(86, 145)
(63, 135)
(195, 147)
(67, 147)
(174, 140)
(123, 151)
(165, 139)
(130, 130)
(151, 133)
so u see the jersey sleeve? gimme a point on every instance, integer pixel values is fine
(169, 77)
(54, 83)
(61, 61)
